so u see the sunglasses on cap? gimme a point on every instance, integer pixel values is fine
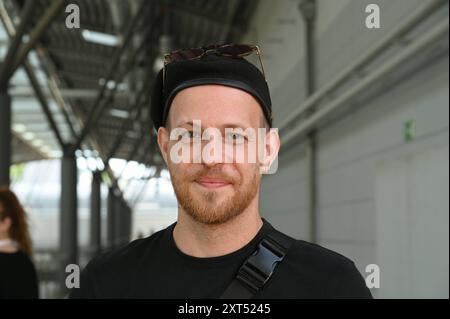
(226, 50)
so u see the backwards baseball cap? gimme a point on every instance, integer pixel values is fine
(210, 69)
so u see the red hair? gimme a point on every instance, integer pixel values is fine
(19, 226)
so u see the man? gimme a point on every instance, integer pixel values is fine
(219, 224)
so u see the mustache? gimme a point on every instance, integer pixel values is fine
(212, 174)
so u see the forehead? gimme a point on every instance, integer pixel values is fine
(215, 105)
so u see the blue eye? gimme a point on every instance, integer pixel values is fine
(236, 137)
(190, 134)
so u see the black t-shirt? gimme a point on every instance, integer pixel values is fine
(18, 277)
(154, 267)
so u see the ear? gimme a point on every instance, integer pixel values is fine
(5, 224)
(270, 148)
(163, 142)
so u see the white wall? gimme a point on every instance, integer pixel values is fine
(353, 150)
(412, 224)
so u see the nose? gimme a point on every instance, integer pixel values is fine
(212, 152)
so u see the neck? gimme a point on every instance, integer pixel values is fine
(7, 245)
(201, 240)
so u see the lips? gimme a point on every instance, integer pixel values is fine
(212, 182)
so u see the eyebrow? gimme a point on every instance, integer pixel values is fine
(226, 125)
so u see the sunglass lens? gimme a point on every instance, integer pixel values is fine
(236, 49)
(185, 54)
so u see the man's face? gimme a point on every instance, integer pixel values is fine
(216, 191)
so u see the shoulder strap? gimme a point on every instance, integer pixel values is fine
(260, 266)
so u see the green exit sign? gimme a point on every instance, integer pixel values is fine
(409, 131)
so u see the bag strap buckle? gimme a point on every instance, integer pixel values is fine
(259, 267)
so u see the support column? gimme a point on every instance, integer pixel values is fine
(95, 225)
(126, 227)
(69, 204)
(308, 9)
(5, 138)
(110, 217)
(311, 158)
(118, 220)
(129, 223)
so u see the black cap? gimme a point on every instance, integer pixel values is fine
(211, 69)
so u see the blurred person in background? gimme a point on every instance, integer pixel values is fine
(18, 278)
